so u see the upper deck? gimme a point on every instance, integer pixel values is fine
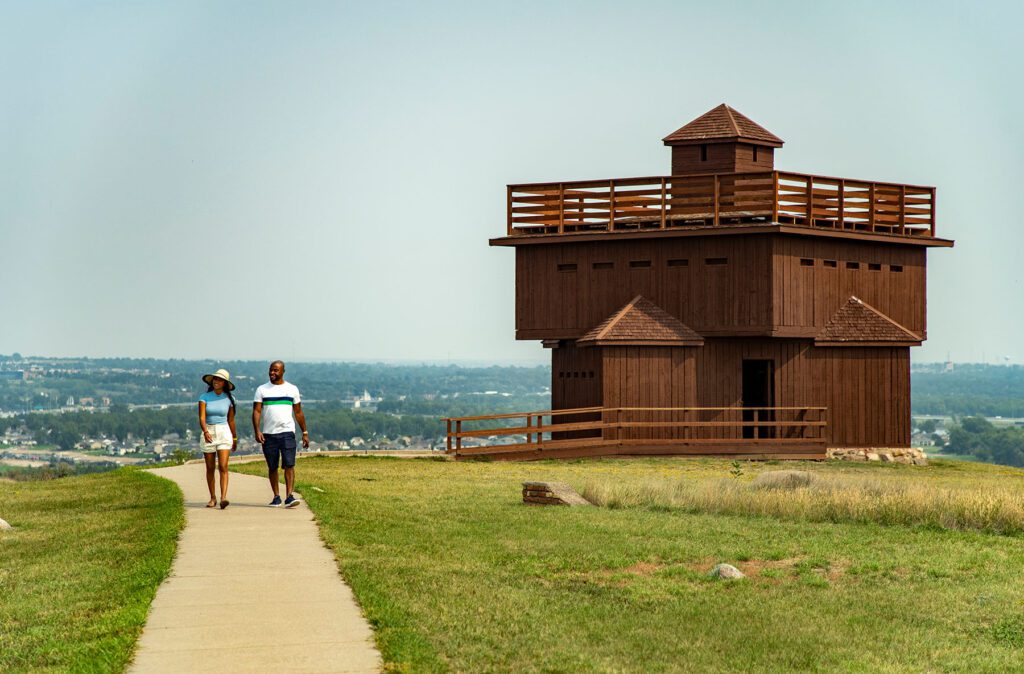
(769, 200)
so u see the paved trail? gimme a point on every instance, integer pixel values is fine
(252, 589)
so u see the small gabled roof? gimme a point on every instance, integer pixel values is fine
(641, 323)
(858, 323)
(722, 124)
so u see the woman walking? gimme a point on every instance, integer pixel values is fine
(217, 422)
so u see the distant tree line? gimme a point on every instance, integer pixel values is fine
(327, 422)
(156, 381)
(969, 390)
(977, 436)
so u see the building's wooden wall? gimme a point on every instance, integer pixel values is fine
(807, 291)
(721, 158)
(866, 390)
(765, 287)
(710, 298)
(576, 377)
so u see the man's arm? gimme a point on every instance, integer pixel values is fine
(301, 418)
(257, 413)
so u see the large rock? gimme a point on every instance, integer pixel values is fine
(552, 493)
(4, 525)
(726, 572)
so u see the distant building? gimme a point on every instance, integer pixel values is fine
(12, 375)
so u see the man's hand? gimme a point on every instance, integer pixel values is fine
(305, 439)
(259, 438)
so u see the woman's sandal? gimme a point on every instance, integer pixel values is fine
(212, 503)
(224, 504)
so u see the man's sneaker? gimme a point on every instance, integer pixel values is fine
(291, 501)
(276, 502)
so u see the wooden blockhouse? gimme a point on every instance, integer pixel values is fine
(728, 308)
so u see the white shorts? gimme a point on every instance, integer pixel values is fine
(221, 436)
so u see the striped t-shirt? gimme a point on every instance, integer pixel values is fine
(277, 400)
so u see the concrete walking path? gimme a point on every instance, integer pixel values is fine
(251, 589)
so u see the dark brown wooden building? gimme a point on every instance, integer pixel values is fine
(728, 308)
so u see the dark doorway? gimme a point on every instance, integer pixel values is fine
(758, 391)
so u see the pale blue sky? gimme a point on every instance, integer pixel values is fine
(319, 180)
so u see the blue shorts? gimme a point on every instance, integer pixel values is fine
(279, 448)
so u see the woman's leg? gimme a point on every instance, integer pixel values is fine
(222, 466)
(211, 464)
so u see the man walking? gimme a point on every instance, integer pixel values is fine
(275, 430)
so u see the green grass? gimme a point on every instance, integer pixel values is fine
(456, 574)
(78, 572)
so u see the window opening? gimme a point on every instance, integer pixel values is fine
(853, 265)
(874, 266)
(896, 267)
(830, 263)
(703, 152)
(806, 262)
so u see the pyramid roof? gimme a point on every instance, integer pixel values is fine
(641, 323)
(721, 124)
(857, 323)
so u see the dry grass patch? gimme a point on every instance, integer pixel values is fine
(807, 496)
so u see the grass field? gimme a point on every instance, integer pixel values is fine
(457, 574)
(80, 568)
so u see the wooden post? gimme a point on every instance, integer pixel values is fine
(611, 205)
(933, 213)
(775, 197)
(871, 207)
(810, 201)
(842, 204)
(529, 423)
(458, 436)
(448, 449)
(509, 189)
(903, 208)
(663, 203)
(717, 188)
(561, 208)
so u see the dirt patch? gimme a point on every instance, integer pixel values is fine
(642, 568)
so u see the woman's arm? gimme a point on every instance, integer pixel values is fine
(202, 421)
(231, 425)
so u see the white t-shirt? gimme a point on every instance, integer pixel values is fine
(277, 400)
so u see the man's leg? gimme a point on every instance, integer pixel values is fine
(289, 481)
(272, 453)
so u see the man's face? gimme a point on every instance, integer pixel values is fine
(276, 373)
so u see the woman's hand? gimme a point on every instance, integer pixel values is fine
(234, 444)
(207, 436)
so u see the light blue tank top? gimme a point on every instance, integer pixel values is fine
(217, 407)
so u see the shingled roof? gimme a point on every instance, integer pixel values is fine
(641, 323)
(858, 323)
(721, 124)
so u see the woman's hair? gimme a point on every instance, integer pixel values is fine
(209, 387)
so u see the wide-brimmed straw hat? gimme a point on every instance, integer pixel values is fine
(222, 374)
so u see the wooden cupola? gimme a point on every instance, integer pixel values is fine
(722, 141)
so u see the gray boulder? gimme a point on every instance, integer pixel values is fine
(726, 572)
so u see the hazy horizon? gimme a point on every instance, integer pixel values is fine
(319, 182)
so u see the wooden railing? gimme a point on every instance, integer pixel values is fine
(631, 430)
(631, 204)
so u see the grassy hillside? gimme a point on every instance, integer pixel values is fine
(458, 575)
(80, 568)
